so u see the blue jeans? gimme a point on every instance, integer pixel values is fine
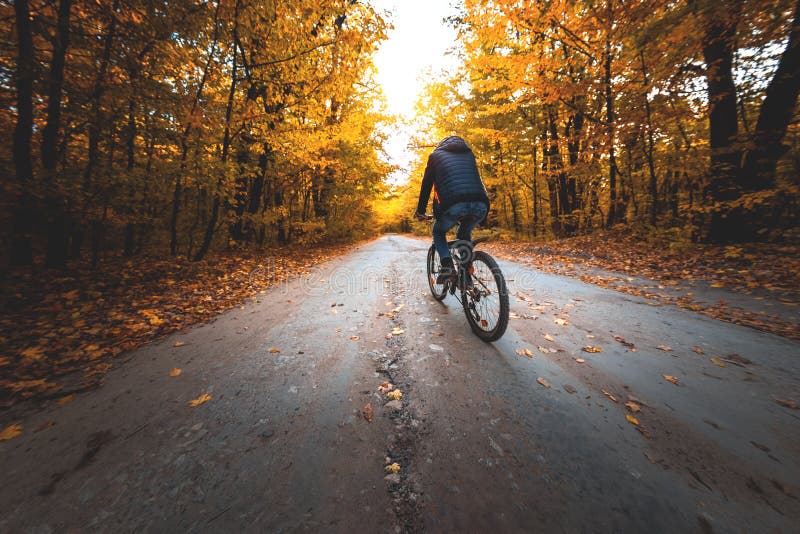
(448, 219)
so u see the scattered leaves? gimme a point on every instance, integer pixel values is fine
(66, 400)
(560, 321)
(175, 372)
(609, 395)
(548, 337)
(670, 378)
(632, 406)
(665, 348)
(205, 397)
(385, 387)
(591, 349)
(546, 350)
(393, 468)
(11, 431)
(525, 352)
(366, 412)
(543, 382)
(395, 394)
(631, 419)
(397, 331)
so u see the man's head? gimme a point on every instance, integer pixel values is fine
(453, 143)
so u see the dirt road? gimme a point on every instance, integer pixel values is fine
(282, 444)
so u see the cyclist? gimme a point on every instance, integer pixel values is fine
(458, 196)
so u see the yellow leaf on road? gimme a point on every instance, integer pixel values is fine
(393, 468)
(609, 395)
(273, 350)
(66, 400)
(11, 432)
(548, 337)
(355, 338)
(397, 331)
(665, 348)
(205, 397)
(589, 348)
(580, 360)
(560, 321)
(395, 394)
(543, 382)
(632, 406)
(670, 378)
(179, 344)
(718, 362)
(631, 419)
(175, 372)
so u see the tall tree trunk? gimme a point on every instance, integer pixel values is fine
(57, 249)
(650, 144)
(721, 22)
(22, 220)
(190, 121)
(226, 143)
(613, 208)
(776, 112)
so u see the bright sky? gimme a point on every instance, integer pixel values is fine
(418, 44)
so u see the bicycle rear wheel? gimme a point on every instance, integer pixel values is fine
(485, 298)
(439, 291)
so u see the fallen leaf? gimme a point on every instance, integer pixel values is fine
(580, 360)
(632, 406)
(590, 336)
(393, 468)
(631, 419)
(395, 394)
(609, 395)
(718, 362)
(670, 378)
(560, 321)
(179, 344)
(622, 341)
(33, 353)
(397, 331)
(569, 389)
(665, 348)
(175, 372)
(66, 400)
(273, 350)
(366, 412)
(543, 382)
(205, 397)
(591, 349)
(548, 337)
(788, 403)
(11, 432)
(355, 338)
(546, 350)
(698, 350)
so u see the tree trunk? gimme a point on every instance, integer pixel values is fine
(22, 220)
(718, 52)
(613, 208)
(776, 112)
(190, 120)
(226, 143)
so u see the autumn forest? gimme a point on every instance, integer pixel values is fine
(174, 128)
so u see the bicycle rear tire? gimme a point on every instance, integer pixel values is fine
(478, 318)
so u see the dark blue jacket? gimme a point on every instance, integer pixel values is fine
(453, 174)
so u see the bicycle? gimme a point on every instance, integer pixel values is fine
(480, 284)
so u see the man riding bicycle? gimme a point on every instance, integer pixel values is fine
(459, 196)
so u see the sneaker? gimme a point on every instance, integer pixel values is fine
(446, 272)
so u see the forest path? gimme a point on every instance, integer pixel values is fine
(482, 444)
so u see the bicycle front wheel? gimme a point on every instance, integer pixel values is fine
(485, 298)
(439, 291)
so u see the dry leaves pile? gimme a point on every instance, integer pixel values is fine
(743, 268)
(53, 324)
